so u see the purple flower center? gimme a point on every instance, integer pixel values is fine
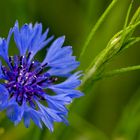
(25, 80)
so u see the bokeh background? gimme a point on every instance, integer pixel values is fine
(99, 115)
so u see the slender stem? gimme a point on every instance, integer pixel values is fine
(136, 16)
(95, 27)
(125, 24)
(128, 14)
(117, 72)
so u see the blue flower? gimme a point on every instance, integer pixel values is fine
(33, 90)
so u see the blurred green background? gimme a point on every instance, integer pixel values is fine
(104, 112)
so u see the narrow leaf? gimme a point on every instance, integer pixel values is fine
(95, 27)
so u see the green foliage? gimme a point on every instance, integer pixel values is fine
(122, 40)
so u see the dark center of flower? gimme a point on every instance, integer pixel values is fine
(25, 80)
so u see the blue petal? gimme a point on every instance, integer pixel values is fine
(75, 94)
(60, 58)
(13, 112)
(65, 120)
(58, 102)
(50, 112)
(68, 86)
(54, 48)
(4, 94)
(23, 37)
(34, 115)
(39, 41)
(49, 116)
(4, 44)
(61, 62)
(48, 122)
(9, 36)
(30, 38)
(71, 83)
(4, 49)
(64, 52)
(58, 106)
(63, 98)
(26, 117)
(68, 92)
(2, 76)
(63, 71)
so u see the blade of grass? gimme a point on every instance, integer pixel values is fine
(117, 72)
(128, 14)
(136, 16)
(135, 19)
(125, 23)
(95, 27)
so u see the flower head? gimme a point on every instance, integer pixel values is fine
(37, 90)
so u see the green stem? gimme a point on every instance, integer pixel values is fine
(128, 14)
(117, 72)
(136, 16)
(95, 27)
(125, 23)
